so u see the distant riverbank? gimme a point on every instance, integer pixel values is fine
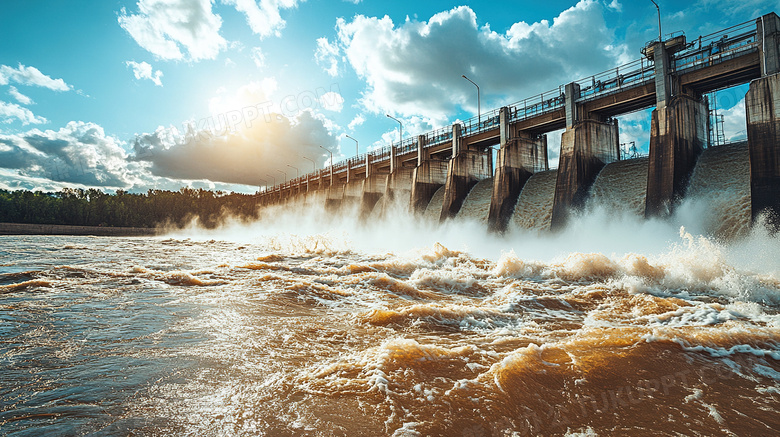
(35, 229)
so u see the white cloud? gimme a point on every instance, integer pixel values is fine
(615, 6)
(79, 153)
(332, 101)
(258, 57)
(11, 111)
(357, 121)
(30, 76)
(414, 68)
(242, 157)
(144, 70)
(21, 98)
(327, 56)
(264, 18)
(734, 122)
(166, 28)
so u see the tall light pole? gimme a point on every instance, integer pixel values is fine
(479, 105)
(331, 155)
(331, 164)
(357, 152)
(313, 165)
(285, 175)
(660, 35)
(273, 178)
(400, 132)
(264, 181)
(297, 173)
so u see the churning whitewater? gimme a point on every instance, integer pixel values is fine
(318, 324)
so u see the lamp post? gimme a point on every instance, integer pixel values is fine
(264, 182)
(313, 165)
(331, 164)
(273, 178)
(660, 35)
(285, 175)
(479, 105)
(400, 132)
(297, 173)
(331, 155)
(357, 152)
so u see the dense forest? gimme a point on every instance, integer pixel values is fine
(93, 207)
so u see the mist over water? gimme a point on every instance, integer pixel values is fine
(313, 323)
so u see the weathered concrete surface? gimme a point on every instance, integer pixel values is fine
(678, 134)
(585, 149)
(463, 172)
(426, 179)
(334, 197)
(353, 193)
(519, 157)
(762, 107)
(374, 187)
(399, 185)
(768, 38)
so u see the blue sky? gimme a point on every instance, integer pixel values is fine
(223, 94)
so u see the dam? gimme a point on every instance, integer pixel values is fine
(450, 171)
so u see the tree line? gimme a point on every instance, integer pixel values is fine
(92, 207)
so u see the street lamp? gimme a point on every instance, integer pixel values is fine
(274, 179)
(660, 37)
(331, 155)
(265, 182)
(285, 175)
(400, 132)
(313, 165)
(479, 106)
(356, 144)
(297, 173)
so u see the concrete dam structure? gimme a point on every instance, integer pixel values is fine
(451, 170)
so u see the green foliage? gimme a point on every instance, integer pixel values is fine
(95, 208)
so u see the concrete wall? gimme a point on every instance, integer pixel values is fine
(762, 107)
(585, 149)
(374, 187)
(678, 134)
(464, 170)
(426, 179)
(516, 162)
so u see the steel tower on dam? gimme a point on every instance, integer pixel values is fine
(672, 76)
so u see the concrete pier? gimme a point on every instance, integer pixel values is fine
(334, 197)
(426, 179)
(464, 170)
(429, 175)
(762, 107)
(374, 187)
(520, 156)
(678, 134)
(586, 148)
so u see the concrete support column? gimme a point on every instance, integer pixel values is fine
(423, 154)
(429, 175)
(678, 134)
(585, 149)
(571, 93)
(762, 107)
(374, 186)
(464, 170)
(519, 157)
(768, 37)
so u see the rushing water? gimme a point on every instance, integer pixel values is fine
(310, 324)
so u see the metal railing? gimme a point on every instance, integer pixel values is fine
(717, 47)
